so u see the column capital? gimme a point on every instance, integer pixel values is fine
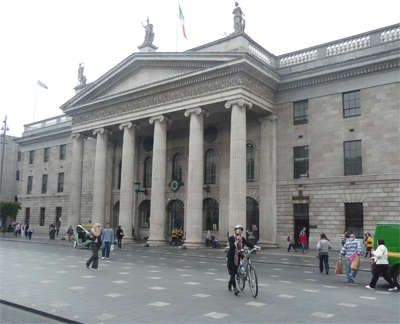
(101, 131)
(160, 118)
(77, 136)
(197, 111)
(128, 125)
(240, 102)
(272, 118)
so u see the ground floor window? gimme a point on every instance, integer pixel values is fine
(42, 215)
(175, 215)
(58, 215)
(210, 214)
(144, 214)
(27, 215)
(354, 219)
(252, 214)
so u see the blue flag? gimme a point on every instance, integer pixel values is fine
(42, 84)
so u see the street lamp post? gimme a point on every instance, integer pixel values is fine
(4, 129)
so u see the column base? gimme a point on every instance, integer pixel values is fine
(194, 245)
(129, 240)
(267, 245)
(155, 242)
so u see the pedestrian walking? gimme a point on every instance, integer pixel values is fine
(382, 266)
(236, 244)
(343, 238)
(70, 232)
(369, 245)
(108, 240)
(23, 230)
(26, 231)
(303, 240)
(365, 244)
(57, 228)
(291, 242)
(17, 230)
(95, 245)
(120, 235)
(323, 248)
(256, 234)
(175, 236)
(30, 230)
(180, 234)
(349, 248)
(208, 239)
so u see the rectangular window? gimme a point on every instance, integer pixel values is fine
(17, 176)
(46, 154)
(58, 216)
(354, 219)
(351, 104)
(249, 163)
(300, 112)
(44, 183)
(27, 215)
(301, 162)
(63, 149)
(31, 157)
(42, 215)
(352, 158)
(19, 156)
(60, 187)
(30, 181)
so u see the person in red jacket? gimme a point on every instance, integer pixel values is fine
(303, 240)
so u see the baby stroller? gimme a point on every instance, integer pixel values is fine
(214, 242)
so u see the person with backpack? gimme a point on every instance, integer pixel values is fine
(290, 239)
(119, 236)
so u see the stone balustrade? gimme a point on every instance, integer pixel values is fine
(298, 58)
(348, 46)
(260, 53)
(390, 35)
(47, 122)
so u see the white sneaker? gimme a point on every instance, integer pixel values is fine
(393, 289)
(368, 287)
(102, 258)
(106, 258)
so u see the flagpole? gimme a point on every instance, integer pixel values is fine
(177, 18)
(34, 112)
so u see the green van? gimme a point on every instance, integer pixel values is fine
(390, 232)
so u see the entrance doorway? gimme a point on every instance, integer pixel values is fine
(301, 219)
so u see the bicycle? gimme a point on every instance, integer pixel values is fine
(247, 273)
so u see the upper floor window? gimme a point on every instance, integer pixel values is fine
(351, 104)
(177, 167)
(44, 183)
(300, 112)
(31, 157)
(119, 174)
(63, 151)
(19, 156)
(301, 162)
(30, 182)
(148, 166)
(60, 187)
(46, 154)
(249, 163)
(210, 167)
(352, 158)
(17, 176)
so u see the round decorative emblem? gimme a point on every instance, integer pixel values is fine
(148, 144)
(175, 185)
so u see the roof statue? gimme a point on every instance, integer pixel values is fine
(149, 35)
(81, 77)
(238, 22)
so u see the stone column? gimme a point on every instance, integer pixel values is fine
(195, 180)
(237, 165)
(127, 192)
(100, 173)
(158, 181)
(75, 193)
(268, 220)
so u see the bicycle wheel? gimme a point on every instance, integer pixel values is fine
(253, 282)
(240, 281)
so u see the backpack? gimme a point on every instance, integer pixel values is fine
(288, 238)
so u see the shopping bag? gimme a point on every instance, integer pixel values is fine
(355, 265)
(339, 267)
(112, 247)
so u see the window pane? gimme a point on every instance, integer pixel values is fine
(351, 104)
(249, 162)
(300, 112)
(148, 165)
(177, 167)
(301, 162)
(353, 158)
(210, 167)
(354, 219)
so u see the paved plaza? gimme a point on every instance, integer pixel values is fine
(170, 285)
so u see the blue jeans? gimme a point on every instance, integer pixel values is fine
(120, 242)
(348, 270)
(105, 247)
(323, 260)
(303, 247)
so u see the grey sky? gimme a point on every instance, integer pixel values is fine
(47, 39)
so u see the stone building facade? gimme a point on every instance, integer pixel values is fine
(11, 167)
(228, 133)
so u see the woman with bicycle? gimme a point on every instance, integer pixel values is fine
(236, 244)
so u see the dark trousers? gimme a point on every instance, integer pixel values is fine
(382, 269)
(30, 235)
(95, 256)
(105, 249)
(291, 246)
(120, 242)
(232, 269)
(370, 253)
(323, 259)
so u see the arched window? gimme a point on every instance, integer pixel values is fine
(210, 167)
(175, 215)
(210, 214)
(177, 167)
(119, 174)
(249, 163)
(148, 165)
(144, 214)
(252, 214)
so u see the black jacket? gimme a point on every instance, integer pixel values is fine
(232, 246)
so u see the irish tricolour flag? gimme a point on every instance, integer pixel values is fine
(183, 20)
